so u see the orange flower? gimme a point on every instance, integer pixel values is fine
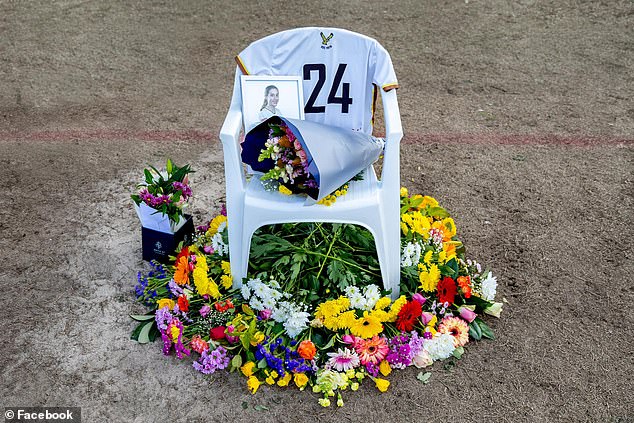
(181, 276)
(307, 350)
(465, 285)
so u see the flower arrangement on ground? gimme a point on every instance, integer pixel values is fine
(165, 192)
(318, 319)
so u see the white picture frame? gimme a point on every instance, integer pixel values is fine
(257, 88)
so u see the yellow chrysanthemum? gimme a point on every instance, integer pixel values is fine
(300, 380)
(429, 202)
(253, 384)
(283, 190)
(396, 307)
(332, 308)
(165, 302)
(382, 303)
(382, 315)
(247, 368)
(427, 257)
(366, 326)
(214, 224)
(226, 267)
(226, 281)
(429, 278)
(382, 384)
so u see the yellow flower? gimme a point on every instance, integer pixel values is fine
(226, 281)
(271, 377)
(354, 386)
(404, 192)
(214, 224)
(385, 368)
(253, 384)
(324, 402)
(382, 384)
(175, 332)
(247, 368)
(404, 228)
(429, 279)
(427, 257)
(450, 228)
(166, 302)
(366, 326)
(285, 380)
(346, 319)
(429, 201)
(257, 338)
(396, 307)
(382, 303)
(226, 267)
(283, 190)
(300, 380)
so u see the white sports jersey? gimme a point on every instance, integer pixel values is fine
(340, 69)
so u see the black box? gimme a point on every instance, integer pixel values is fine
(160, 245)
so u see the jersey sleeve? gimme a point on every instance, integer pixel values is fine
(256, 58)
(384, 75)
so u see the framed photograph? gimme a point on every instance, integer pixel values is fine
(264, 96)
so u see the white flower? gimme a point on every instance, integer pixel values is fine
(269, 303)
(218, 244)
(357, 301)
(372, 295)
(246, 292)
(297, 321)
(422, 359)
(440, 346)
(256, 304)
(351, 290)
(343, 360)
(489, 287)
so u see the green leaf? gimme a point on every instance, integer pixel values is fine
(458, 352)
(261, 408)
(474, 330)
(262, 364)
(245, 405)
(424, 377)
(148, 176)
(144, 335)
(437, 212)
(486, 330)
(236, 362)
(142, 317)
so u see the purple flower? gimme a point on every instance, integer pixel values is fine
(419, 298)
(174, 288)
(204, 310)
(210, 361)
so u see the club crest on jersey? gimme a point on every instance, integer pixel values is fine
(325, 40)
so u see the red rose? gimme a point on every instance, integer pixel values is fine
(446, 290)
(183, 303)
(217, 333)
(408, 316)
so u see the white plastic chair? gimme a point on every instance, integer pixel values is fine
(371, 203)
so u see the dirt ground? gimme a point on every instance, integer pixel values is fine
(519, 119)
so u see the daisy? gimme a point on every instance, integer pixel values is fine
(457, 328)
(366, 326)
(343, 360)
(372, 350)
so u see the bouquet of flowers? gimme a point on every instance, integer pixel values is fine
(303, 157)
(285, 327)
(162, 198)
(289, 161)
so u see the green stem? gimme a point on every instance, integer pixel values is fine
(334, 238)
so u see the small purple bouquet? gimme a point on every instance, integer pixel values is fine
(162, 198)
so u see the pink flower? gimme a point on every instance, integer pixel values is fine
(348, 339)
(419, 298)
(467, 314)
(426, 317)
(265, 314)
(230, 338)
